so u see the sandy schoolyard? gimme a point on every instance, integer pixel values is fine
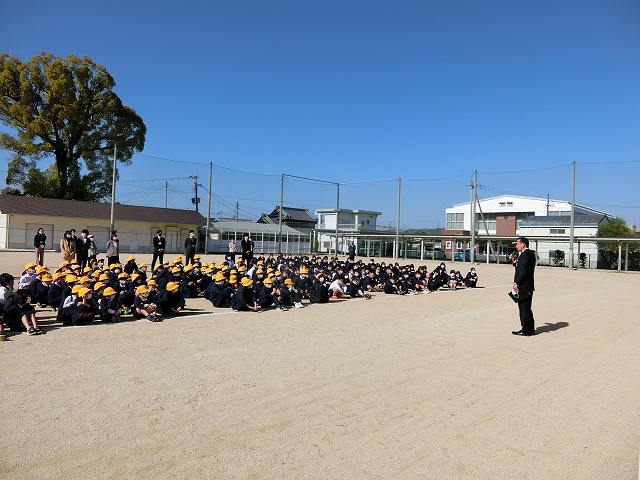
(432, 386)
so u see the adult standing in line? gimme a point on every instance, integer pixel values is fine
(159, 243)
(352, 252)
(113, 256)
(523, 280)
(247, 249)
(67, 247)
(232, 249)
(39, 243)
(190, 247)
(82, 247)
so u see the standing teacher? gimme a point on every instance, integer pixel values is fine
(523, 280)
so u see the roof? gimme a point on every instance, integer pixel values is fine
(54, 207)
(244, 227)
(333, 210)
(564, 221)
(295, 214)
(551, 201)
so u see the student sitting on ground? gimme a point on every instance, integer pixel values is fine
(170, 302)
(244, 298)
(471, 280)
(110, 308)
(141, 306)
(453, 280)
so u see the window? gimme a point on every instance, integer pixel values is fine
(448, 245)
(490, 219)
(455, 221)
(458, 245)
(557, 231)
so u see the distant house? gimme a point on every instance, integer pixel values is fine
(20, 218)
(264, 236)
(297, 218)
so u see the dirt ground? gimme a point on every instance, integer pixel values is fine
(432, 386)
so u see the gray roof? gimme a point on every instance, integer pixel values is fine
(564, 221)
(244, 227)
(54, 207)
(291, 213)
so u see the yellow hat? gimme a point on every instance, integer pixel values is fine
(108, 292)
(134, 277)
(142, 289)
(70, 278)
(304, 270)
(83, 291)
(142, 265)
(58, 275)
(96, 274)
(39, 269)
(85, 279)
(188, 268)
(152, 282)
(103, 277)
(260, 262)
(86, 269)
(278, 273)
(76, 289)
(224, 268)
(171, 286)
(177, 260)
(75, 266)
(221, 264)
(123, 275)
(288, 281)
(268, 281)
(130, 257)
(98, 286)
(219, 277)
(233, 279)
(175, 270)
(46, 277)
(63, 264)
(246, 282)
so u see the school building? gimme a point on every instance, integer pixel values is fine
(21, 217)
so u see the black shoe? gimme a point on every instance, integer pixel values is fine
(522, 334)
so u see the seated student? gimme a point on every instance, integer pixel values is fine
(85, 308)
(337, 288)
(66, 309)
(267, 296)
(40, 290)
(290, 296)
(453, 280)
(142, 271)
(471, 280)
(110, 309)
(244, 298)
(141, 306)
(356, 289)
(20, 313)
(219, 292)
(28, 276)
(126, 292)
(152, 285)
(130, 267)
(303, 282)
(319, 292)
(370, 282)
(170, 302)
(391, 286)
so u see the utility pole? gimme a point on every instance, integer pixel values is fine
(195, 200)
(166, 193)
(548, 204)
(113, 190)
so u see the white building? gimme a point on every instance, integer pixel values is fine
(348, 222)
(504, 214)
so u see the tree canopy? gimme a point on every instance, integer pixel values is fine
(64, 108)
(616, 228)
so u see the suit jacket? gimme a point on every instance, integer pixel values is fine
(158, 243)
(190, 245)
(525, 267)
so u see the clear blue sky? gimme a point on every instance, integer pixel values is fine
(352, 91)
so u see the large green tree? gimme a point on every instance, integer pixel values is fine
(616, 228)
(65, 109)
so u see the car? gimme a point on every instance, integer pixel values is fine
(462, 255)
(435, 254)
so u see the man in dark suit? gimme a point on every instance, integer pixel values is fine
(190, 247)
(159, 243)
(523, 280)
(247, 249)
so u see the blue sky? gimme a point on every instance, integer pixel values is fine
(357, 91)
